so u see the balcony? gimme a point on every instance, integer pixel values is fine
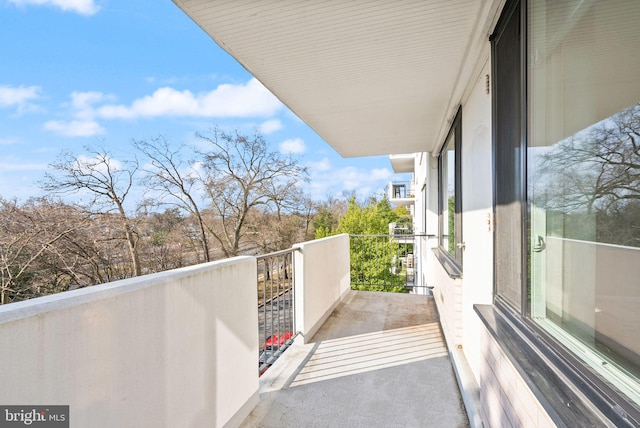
(179, 348)
(379, 360)
(402, 232)
(401, 193)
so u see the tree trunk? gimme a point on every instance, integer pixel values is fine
(131, 241)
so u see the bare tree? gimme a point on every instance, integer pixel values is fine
(589, 183)
(106, 181)
(308, 209)
(242, 174)
(170, 175)
(595, 168)
(270, 231)
(30, 239)
(164, 236)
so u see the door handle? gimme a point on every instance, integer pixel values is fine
(540, 245)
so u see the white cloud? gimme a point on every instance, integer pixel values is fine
(195, 170)
(227, 100)
(293, 146)
(85, 100)
(381, 174)
(75, 128)
(83, 124)
(153, 80)
(83, 7)
(244, 100)
(8, 141)
(269, 126)
(355, 178)
(20, 96)
(98, 163)
(327, 180)
(320, 166)
(352, 178)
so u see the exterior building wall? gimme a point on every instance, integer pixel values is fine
(506, 400)
(456, 297)
(431, 202)
(420, 217)
(447, 293)
(420, 180)
(477, 206)
(504, 397)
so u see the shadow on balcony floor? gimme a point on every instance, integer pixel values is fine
(379, 360)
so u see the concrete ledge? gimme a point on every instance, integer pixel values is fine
(556, 389)
(243, 411)
(469, 388)
(285, 367)
(68, 299)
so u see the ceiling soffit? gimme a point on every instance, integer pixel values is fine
(370, 77)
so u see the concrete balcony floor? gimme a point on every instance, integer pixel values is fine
(379, 360)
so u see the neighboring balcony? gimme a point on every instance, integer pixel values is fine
(401, 193)
(400, 230)
(180, 348)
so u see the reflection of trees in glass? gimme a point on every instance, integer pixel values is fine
(451, 227)
(589, 183)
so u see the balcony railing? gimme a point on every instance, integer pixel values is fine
(378, 263)
(401, 190)
(387, 262)
(400, 229)
(276, 316)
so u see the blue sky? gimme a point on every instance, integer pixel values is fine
(84, 72)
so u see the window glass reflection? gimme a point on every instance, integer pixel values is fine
(447, 162)
(584, 181)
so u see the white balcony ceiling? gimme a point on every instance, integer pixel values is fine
(402, 163)
(370, 77)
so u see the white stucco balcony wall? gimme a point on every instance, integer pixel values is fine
(177, 348)
(322, 280)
